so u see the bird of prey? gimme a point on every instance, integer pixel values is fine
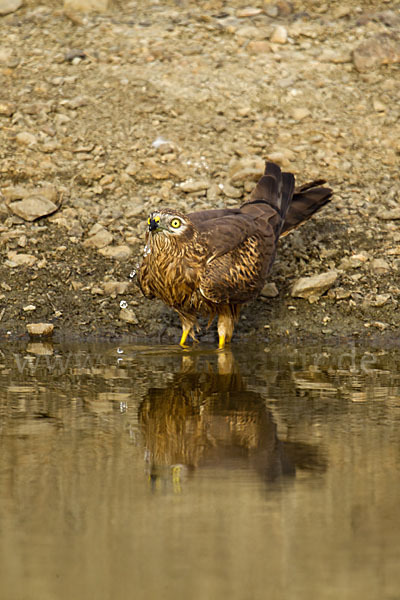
(211, 262)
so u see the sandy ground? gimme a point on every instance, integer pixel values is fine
(107, 116)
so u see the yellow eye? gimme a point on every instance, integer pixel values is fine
(175, 223)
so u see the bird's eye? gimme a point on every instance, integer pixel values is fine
(175, 223)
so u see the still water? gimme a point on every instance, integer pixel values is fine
(151, 472)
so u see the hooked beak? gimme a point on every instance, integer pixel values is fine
(153, 225)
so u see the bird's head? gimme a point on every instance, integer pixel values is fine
(169, 223)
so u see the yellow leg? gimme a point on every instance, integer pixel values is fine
(221, 343)
(185, 333)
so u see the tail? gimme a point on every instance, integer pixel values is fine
(307, 200)
(275, 189)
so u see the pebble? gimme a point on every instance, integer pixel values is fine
(9, 6)
(248, 11)
(299, 113)
(33, 208)
(115, 288)
(40, 329)
(25, 138)
(190, 186)
(7, 109)
(279, 35)
(379, 50)
(246, 169)
(259, 47)
(313, 287)
(379, 266)
(121, 252)
(19, 260)
(100, 238)
(128, 316)
(389, 215)
(269, 290)
(86, 5)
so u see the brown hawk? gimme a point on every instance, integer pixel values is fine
(211, 262)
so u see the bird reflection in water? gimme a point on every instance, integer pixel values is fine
(206, 418)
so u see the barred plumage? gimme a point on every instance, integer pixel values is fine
(212, 262)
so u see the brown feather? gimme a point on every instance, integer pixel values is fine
(217, 260)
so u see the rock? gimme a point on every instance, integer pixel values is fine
(315, 286)
(33, 208)
(7, 109)
(389, 215)
(248, 11)
(379, 266)
(114, 288)
(9, 6)
(231, 192)
(121, 252)
(25, 138)
(381, 299)
(86, 5)
(40, 329)
(279, 35)
(378, 105)
(251, 32)
(99, 237)
(258, 47)
(269, 290)
(379, 50)
(299, 113)
(19, 260)
(190, 185)
(127, 315)
(246, 169)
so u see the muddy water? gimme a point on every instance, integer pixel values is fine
(139, 472)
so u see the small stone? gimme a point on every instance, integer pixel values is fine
(20, 260)
(381, 299)
(378, 105)
(99, 239)
(115, 288)
(29, 308)
(251, 32)
(379, 50)
(259, 47)
(33, 208)
(269, 290)
(40, 329)
(121, 252)
(232, 192)
(7, 109)
(9, 6)
(279, 35)
(341, 293)
(86, 5)
(379, 266)
(299, 113)
(248, 11)
(128, 316)
(25, 138)
(246, 169)
(389, 215)
(315, 286)
(191, 186)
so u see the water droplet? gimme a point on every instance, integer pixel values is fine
(132, 274)
(123, 304)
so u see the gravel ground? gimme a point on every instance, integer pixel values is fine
(106, 116)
